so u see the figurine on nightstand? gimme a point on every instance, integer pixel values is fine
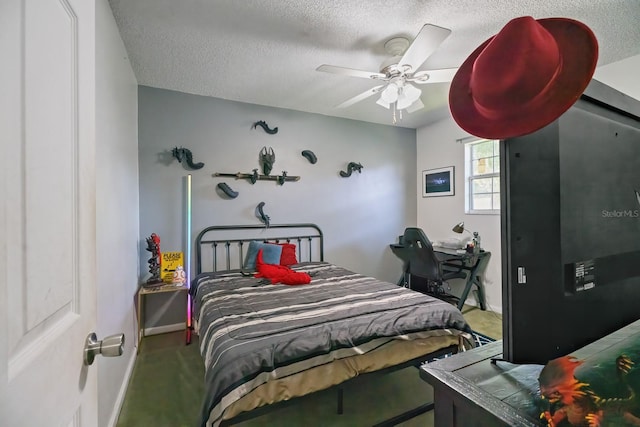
(153, 246)
(179, 277)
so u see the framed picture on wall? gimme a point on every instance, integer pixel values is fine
(438, 182)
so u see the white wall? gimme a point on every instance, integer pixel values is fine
(117, 208)
(436, 148)
(620, 75)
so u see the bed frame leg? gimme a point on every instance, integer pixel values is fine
(406, 416)
(340, 400)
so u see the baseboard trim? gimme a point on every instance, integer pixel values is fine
(115, 414)
(155, 330)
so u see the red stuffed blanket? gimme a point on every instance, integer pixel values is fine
(280, 273)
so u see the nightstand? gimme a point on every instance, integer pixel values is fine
(144, 291)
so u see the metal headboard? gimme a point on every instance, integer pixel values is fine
(228, 242)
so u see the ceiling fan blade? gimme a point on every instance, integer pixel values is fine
(350, 72)
(444, 75)
(417, 105)
(425, 43)
(361, 97)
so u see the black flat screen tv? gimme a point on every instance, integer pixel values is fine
(570, 224)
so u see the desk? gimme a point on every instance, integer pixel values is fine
(452, 260)
(472, 390)
(475, 264)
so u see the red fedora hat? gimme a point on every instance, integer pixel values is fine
(524, 77)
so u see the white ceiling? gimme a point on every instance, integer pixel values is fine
(265, 52)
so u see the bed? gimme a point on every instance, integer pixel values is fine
(265, 343)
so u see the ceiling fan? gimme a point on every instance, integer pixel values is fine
(399, 72)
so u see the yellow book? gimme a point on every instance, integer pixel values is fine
(168, 263)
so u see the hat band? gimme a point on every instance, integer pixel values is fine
(533, 103)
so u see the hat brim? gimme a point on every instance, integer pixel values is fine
(579, 49)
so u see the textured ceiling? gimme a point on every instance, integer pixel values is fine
(266, 51)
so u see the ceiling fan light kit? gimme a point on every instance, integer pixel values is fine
(399, 71)
(390, 94)
(408, 95)
(400, 96)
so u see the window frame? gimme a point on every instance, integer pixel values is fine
(470, 177)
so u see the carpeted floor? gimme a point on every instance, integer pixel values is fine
(166, 387)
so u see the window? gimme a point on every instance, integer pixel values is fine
(482, 176)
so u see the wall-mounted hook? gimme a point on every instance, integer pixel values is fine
(267, 158)
(185, 154)
(266, 128)
(308, 154)
(227, 190)
(282, 178)
(260, 214)
(350, 168)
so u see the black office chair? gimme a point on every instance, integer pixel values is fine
(422, 262)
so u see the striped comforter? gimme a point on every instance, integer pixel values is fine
(251, 331)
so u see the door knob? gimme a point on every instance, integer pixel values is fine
(111, 346)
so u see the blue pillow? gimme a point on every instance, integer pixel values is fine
(270, 254)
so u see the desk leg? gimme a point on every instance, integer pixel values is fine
(404, 280)
(481, 297)
(472, 280)
(465, 293)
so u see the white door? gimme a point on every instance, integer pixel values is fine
(47, 220)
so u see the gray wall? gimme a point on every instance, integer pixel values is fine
(117, 214)
(359, 215)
